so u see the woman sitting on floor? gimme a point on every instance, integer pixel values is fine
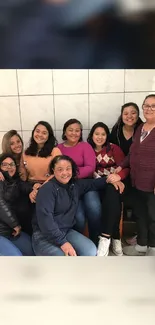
(56, 206)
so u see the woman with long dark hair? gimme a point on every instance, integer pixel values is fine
(108, 157)
(37, 157)
(125, 127)
(122, 134)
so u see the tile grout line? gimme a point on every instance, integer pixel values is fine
(124, 84)
(88, 103)
(54, 115)
(74, 94)
(20, 116)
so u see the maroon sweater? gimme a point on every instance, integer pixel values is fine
(141, 160)
(107, 162)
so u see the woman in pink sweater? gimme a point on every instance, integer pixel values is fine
(83, 155)
(108, 157)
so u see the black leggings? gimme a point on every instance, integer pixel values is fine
(111, 211)
(144, 210)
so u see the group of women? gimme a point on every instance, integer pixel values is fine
(50, 191)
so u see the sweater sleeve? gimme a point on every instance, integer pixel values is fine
(85, 185)
(6, 214)
(89, 162)
(126, 162)
(55, 152)
(45, 204)
(119, 157)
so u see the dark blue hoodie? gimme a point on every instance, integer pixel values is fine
(56, 206)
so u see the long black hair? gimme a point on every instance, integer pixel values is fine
(75, 170)
(90, 136)
(119, 124)
(69, 122)
(51, 142)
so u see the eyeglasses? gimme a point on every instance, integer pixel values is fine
(7, 165)
(146, 106)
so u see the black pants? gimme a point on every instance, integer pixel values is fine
(144, 210)
(24, 211)
(111, 208)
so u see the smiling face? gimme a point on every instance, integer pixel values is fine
(73, 133)
(130, 116)
(63, 171)
(99, 137)
(40, 135)
(149, 113)
(8, 165)
(16, 144)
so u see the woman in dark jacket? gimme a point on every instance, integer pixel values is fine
(12, 240)
(56, 207)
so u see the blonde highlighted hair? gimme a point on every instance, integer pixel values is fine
(6, 147)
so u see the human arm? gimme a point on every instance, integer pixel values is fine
(45, 205)
(6, 215)
(119, 174)
(1, 177)
(89, 162)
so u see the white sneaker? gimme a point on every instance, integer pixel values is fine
(135, 250)
(103, 246)
(150, 251)
(117, 247)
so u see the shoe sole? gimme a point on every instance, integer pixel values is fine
(117, 254)
(139, 254)
(103, 255)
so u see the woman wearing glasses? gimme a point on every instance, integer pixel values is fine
(13, 241)
(141, 160)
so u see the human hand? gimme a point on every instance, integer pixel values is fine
(36, 186)
(68, 249)
(119, 186)
(1, 177)
(113, 178)
(16, 231)
(32, 196)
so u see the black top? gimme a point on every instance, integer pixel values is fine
(9, 198)
(117, 137)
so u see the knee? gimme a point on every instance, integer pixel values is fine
(91, 250)
(93, 203)
(80, 219)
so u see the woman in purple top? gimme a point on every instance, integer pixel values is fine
(82, 153)
(141, 160)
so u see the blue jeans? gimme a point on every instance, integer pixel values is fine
(82, 245)
(90, 208)
(16, 246)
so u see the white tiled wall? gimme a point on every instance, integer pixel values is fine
(27, 96)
